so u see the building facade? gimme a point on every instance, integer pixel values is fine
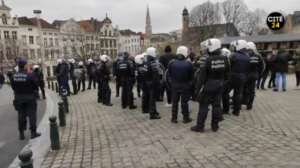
(292, 23)
(130, 42)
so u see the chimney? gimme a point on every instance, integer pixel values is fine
(92, 20)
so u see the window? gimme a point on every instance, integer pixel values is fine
(109, 33)
(115, 43)
(44, 33)
(106, 43)
(87, 38)
(8, 53)
(6, 34)
(56, 42)
(4, 19)
(37, 39)
(31, 40)
(138, 40)
(52, 54)
(88, 47)
(58, 53)
(24, 39)
(105, 33)
(74, 50)
(126, 48)
(25, 52)
(45, 42)
(96, 37)
(39, 53)
(64, 40)
(65, 51)
(14, 35)
(29, 29)
(32, 53)
(92, 47)
(50, 34)
(92, 37)
(47, 54)
(51, 41)
(110, 43)
(97, 47)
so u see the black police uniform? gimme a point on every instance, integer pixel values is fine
(257, 66)
(133, 66)
(140, 77)
(57, 73)
(211, 80)
(106, 91)
(83, 69)
(40, 79)
(99, 82)
(181, 75)
(91, 68)
(73, 78)
(117, 76)
(25, 87)
(240, 64)
(126, 71)
(152, 84)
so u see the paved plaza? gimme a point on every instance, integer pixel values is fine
(97, 136)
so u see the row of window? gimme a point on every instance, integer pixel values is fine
(32, 40)
(29, 53)
(133, 48)
(7, 35)
(132, 40)
(104, 43)
(80, 51)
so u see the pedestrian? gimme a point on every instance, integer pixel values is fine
(116, 75)
(91, 72)
(181, 76)
(104, 71)
(164, 60)
(211, 86)
(2, 79)
(126, 70)
(82, 81)
(271, 57)
(281, 65)
(64, 76)
(40, 79)
(261, 82)
(57, 72)
(296, 64)
(25, 86)
(140, 78)
(73, 76)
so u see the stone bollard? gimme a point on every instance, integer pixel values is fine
(56, 87)
(54, 134)
(66, 102)
(25, 158)
(61, 114)
(52, 85)
(48, 84)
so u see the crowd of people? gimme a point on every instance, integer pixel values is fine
(207, 79)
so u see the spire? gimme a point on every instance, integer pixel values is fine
(148, 28)
(2, 3)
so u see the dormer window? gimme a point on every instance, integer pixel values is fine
(4, 19)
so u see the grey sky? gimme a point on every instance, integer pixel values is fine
(165, 14)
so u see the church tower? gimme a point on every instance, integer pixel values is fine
(148, 28)
(185, 20)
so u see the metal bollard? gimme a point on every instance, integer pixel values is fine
(48, 84)
(54, 134)
(61, 114)
(52, 85)
(25, 158)
(56, 87)
(66, 102)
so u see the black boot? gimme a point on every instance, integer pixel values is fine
(202, 115)
(236, 113)
(108, 96)
(145, 111)
(21, 135)
(214, 126)
(155, 116)
(187, 120)
(132, 107)
(174, 117)
(35, 134)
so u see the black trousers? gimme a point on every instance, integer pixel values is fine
(168, 92)
(226, 99)
(213, 99)
(27, 108)
(250, 91)
(127, 95)
(237, 95)
(74, 85)
(42, 88)
(272, 79)
(184, 97)
(58, 81)
(261, 82)
(118, 85)
(92, 79)
(106, 93)
(297, 73)
(83, 85)
(149, 99)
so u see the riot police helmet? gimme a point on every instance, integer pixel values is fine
(36, 66)
(240, 45)
(59, 61)
(182, 51)
(80, 63)
(139, 59)
(151, 52)
(203, 47)
(213, 45)
(225, 52)
(104, 58)
(72, 61)
(251, 47)
(90, 60)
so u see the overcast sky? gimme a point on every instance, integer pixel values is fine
(165, 14)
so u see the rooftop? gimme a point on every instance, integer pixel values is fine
(127, 32)
(33, 22)
(263, 38)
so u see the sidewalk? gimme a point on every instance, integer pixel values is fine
(103, 137)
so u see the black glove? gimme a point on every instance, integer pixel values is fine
(198, 96)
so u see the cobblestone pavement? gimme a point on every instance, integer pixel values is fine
(104, 137)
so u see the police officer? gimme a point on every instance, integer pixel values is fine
(256, 69)
(40, 79)
(127, 72)
(140, 78)
(91, 71)
(57, 72)
(152, 82)
(73, 76)
(181, 75)
(25, 87)
(64, 76)
(138, 60)
(82, 81)
(132, 64)
(99, 79)
(105, 75)
(116, 75)
(226, 97)
(211, 82)
(240, 64)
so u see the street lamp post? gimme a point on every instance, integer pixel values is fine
(38, 15)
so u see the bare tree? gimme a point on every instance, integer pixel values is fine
(79, 45)
(253, 23)
(203, 17)
(263, 31)
(235, 12)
